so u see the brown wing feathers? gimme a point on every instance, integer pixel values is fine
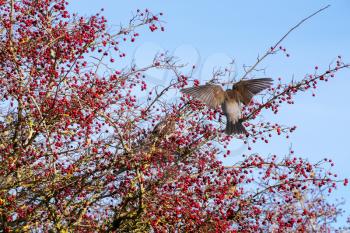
(212, 95)
(249, 88)
(242, 91)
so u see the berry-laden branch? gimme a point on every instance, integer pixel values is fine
(81, 151)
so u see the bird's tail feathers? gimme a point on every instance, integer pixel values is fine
(235, 127)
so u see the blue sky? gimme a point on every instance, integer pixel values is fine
(210, 33)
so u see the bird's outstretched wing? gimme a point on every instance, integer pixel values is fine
(212, 95)
(249, 88)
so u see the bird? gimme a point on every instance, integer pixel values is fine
(230, 100)
(165, 128)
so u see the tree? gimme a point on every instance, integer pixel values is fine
(79, 152)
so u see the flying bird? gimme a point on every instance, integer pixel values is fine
(230, 100)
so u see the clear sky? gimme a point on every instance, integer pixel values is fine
(210, 33)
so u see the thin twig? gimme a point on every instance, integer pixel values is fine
(271, 50)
